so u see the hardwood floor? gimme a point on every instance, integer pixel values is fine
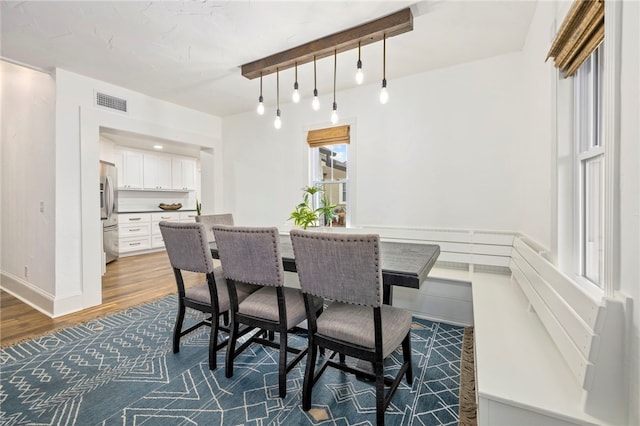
(129, 281)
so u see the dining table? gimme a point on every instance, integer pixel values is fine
(404, 264)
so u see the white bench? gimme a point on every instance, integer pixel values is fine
(547, 353)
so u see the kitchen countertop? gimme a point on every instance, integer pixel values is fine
(157, 211)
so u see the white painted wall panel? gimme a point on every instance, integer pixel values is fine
(630, 192)
(27, 170)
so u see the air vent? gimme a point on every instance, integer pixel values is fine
(111, 102)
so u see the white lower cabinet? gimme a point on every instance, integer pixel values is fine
(134, 233)
(140, 232)
(156, 218)
(188, 216)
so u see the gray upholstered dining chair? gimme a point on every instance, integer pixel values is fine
(252, 255)
(345, 269)
(214, 219)
(188, 250)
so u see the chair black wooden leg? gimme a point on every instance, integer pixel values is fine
(378, 371)
(231, 348)
(343, 358)
(177, 328)
(307, 385)
(282, 365)
(213, 341)
(225, 318)
(406, 354)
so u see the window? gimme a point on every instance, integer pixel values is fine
(589, 166)
(329, 170)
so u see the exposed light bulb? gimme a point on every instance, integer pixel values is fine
(384, 95)
(296, 94)
(260, 106)
(260, 99)
(277, 123)
(316, 102)
(359, 73)
(334, 114)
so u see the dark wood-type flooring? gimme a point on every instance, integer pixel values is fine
(129, 281)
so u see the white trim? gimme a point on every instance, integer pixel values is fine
(611, 123)
(352, 122)
(553, 111)
(28, 293)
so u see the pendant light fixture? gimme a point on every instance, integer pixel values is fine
(277, 122)
(359, 74)
(315, 104)
(334, 113)
(260, 99)
(296, 95)
(384, 95)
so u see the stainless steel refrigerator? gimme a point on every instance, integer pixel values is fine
(109, 209)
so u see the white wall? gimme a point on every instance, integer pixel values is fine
(541, 109)
(630, 193)
(536, 169)
(28, 173)
(442, 153)
(64, 165)
(78, 125)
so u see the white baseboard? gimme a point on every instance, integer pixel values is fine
(28, 293)
(40, 300)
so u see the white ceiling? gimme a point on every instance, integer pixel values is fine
(190, 52)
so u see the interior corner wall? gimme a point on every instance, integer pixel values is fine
(535, 198)
(445, 152)
(28, 171)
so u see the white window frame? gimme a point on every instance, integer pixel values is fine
(589, 152)
(315, 178)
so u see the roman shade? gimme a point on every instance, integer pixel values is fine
(328, 136)
(581, 33)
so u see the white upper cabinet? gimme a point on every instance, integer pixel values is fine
(129, 166)
(142, 170)
(157, 172)
(183, 174)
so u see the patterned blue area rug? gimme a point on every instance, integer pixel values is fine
(120, 370)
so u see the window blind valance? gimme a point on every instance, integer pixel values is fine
(328, 136)
(581, 33)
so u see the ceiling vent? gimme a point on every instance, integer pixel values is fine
(111, 102)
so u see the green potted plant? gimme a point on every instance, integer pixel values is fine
(326, 210)
(305, 214)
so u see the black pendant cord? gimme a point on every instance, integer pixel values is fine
(335, 66)
(384, 58)
(315, 84)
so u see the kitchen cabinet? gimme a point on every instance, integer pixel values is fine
(188, 216)
(129, 165)
(157, 172)
(134, 233)
(149, 171)
(183, 174)
(140, 232)
(156, 218)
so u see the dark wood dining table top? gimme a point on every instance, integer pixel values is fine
(403, 264)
